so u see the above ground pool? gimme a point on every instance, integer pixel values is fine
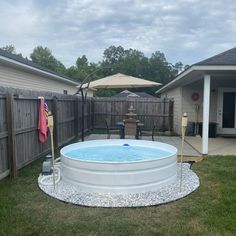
(119, 166)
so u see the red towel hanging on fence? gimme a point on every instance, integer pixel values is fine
(42, 124)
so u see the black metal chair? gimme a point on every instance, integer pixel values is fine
(149, 132)
(110, 130)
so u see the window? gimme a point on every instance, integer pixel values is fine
(65, 92)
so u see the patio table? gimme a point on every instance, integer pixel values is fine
(121, 126)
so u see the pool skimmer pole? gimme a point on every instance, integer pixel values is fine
(50, 126)
(183, 126)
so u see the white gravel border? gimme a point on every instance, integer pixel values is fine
(71, 194)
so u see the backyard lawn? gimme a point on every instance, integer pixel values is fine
(210, 210)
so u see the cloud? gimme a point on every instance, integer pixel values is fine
(184, 30)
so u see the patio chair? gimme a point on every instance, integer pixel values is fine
(149, 132)
(131, 127)
(110, 130)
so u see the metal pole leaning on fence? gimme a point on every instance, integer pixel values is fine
(183, 129)
(50, 126)
(83, 90)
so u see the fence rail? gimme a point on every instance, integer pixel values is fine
(148, 110)
(19, 144)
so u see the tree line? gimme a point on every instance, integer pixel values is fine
(116, 59)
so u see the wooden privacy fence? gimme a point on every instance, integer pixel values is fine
(148, 110)
(19, 144)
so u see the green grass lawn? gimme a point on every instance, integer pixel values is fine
(210, 210)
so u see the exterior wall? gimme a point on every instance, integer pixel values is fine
(175, 94)
(18, 78)
(189, 105)
(184, 103)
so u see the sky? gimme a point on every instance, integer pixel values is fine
(184, 30)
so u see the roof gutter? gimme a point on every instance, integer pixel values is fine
(175, 80)
(197, 68)
(11, 61)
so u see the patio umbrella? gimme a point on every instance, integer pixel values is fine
(114, 81)
(121, 81)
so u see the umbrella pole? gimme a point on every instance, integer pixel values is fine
(50, 125)
(184, 126)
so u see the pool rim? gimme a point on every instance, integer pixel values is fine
(174, 152)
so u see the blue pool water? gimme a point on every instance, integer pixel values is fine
(116, 153)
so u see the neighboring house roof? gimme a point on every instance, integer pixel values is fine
(225, 61)
(15, 59)
(144, 95)
(225, 58)
(127, 93)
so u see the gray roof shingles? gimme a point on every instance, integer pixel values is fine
(225, 58)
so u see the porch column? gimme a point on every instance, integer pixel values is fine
(206, 107)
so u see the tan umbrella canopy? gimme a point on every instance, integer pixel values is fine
(121, 81)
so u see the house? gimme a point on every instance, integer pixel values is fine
(127, 94)
(17, 72)
(206, 91)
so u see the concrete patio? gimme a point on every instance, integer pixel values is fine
(190, 154)
(217, 146)
(192, 145)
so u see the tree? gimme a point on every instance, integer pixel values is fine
(161, 70)
(82, 68)
(133, 62)
(11, 49)
(178, 68)
(113, 54)
(104, 92)
(82, 62)
(72, 72)
(44, 57)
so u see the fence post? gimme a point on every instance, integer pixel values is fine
(92, 113)
(171, 115)
(55, 117)
(76, 117)
(11, 135)
(164, 115)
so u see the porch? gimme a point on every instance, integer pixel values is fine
(206, 91)
(216, 146)
(213, 114)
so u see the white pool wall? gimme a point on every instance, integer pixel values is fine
(119, 177)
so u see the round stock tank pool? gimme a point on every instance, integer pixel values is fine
(118, 165)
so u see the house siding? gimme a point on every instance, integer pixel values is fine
(175, 94)
(189, 105)
(183, 101)
(24, 79)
